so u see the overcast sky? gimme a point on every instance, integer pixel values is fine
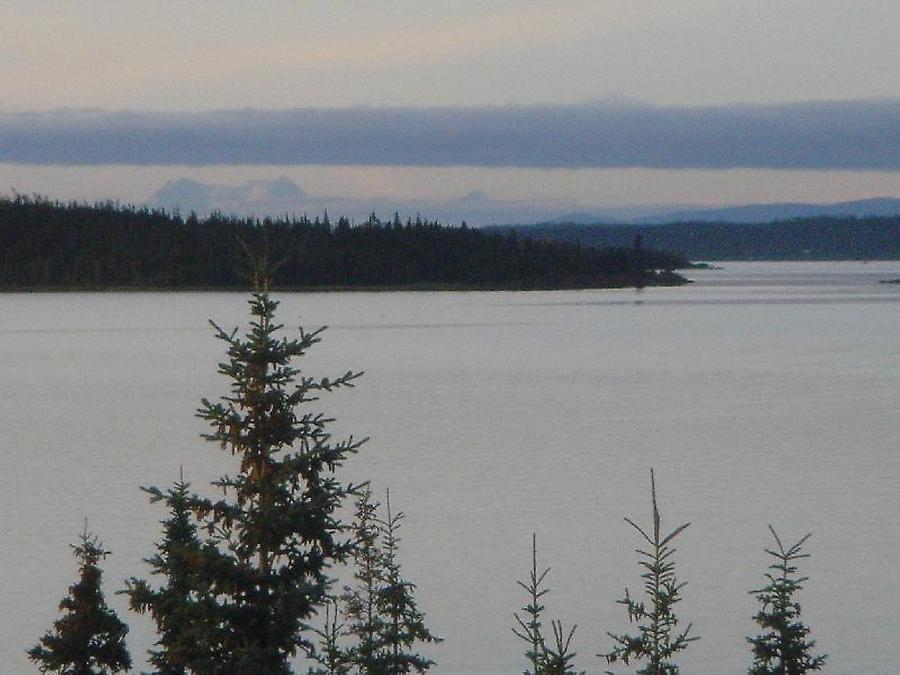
(600, 101)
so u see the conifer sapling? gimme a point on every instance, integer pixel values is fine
(361, 601)
(658, 638)
(782, 648)
(328, 653)
(404, 621)
(553, 659)
(89, 639)
(529, 628)
(557, 659)
(384, 618)
(184, 607)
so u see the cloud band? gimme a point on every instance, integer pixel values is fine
(855, 135)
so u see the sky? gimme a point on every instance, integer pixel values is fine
(584, 104)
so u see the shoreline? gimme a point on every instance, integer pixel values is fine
(416, 288)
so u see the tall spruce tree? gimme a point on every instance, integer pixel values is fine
(658, 638)
(404, 621)
(783, 648)
(276, 523)
(184, 608)
(89, 639)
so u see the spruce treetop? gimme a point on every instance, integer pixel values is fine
(659, 637)
(529, 628)
(405, 622)
(382, 615)
(89, 639)
(544, 658)
(783, 648)
(361, 601)
(183, 608)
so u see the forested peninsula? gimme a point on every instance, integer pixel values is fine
(50, 245)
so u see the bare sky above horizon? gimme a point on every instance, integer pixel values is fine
(167, 56)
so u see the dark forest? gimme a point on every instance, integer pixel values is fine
(75, 246)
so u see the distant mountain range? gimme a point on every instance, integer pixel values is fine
(261, 198)
(281, 196)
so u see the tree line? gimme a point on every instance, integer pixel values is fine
(53, 245)
(817, 238)
(241, 579)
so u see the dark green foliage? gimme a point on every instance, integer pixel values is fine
(782, 648)
(404, 622)
(275, 525)
(89, 639)
(557, 658)
(658, 639)
(184, 608)
(52, 245)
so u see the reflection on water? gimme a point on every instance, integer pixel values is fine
(762, 393)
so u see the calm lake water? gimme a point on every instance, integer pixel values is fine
(763, 393)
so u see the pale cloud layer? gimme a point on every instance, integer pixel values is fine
(163, 55)
(827, 135)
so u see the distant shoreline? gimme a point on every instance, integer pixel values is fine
(414, 288)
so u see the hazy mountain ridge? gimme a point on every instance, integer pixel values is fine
(276, 197)
(261, 198)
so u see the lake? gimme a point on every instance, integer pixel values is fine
(764, 393)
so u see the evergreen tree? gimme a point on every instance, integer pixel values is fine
(545, 660)
(184, 608)
(557, 660)
(276, 524)
(782, 648)
(658, 639)
(404, 622)
(361, 602)
(331, 657)
(529, 628)
(89, 639)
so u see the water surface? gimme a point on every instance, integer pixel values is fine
(763, 393)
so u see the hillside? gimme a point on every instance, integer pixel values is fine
(822, 238)
(767, 213)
